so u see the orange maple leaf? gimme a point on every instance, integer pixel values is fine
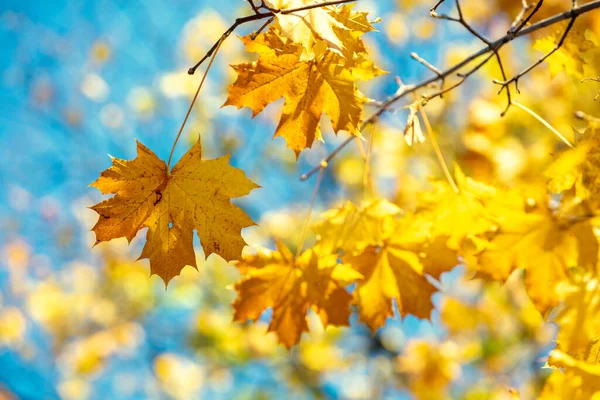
(195, 195)
(291, 286)
(311, 88)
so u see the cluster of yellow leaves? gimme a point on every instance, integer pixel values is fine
(541, 240)
(314, 71)
(387, 256)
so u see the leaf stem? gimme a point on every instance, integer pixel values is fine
(543, 121)
(322, 168)
(436, 149)
(192, 104)
(367, 177)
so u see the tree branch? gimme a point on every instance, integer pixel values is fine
(492, 47)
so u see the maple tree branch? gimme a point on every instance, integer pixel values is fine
(515, 79)
(329, 157)
(254, 7)
(461, 20)
(258, 15)
(521, 20)
(431, 67)
(493, 46)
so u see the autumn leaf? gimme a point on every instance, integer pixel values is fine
(394, 269)
(392, 251)
(194, 196)
(311, 88)
(569, 56)
(291, 286)
(536, 238)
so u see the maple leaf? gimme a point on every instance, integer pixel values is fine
(393, 254)
(394, 269)
(576, 379)
(195, 195)
(536, 238)
(292, 286)
(390, 272)
(324, 85)
(569, 56)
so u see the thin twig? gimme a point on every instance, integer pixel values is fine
(322, 169)
(594, 80)
(367, 178)
(328, 158)
(520, 22)
(263, 26)
(431, 67)
(254, 7)
(543, 121)
(461, 20)
(192, 105)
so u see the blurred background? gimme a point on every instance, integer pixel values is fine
(81, 79)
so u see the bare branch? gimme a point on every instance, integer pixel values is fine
(516, 78)
(254, 7)
(521, 20)
(431, 67)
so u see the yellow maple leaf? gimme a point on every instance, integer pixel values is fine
(195, 195)
(569, 56)
(311, 88)
(395, 269)
(392, 253)
(538, 239)
(291, 286)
